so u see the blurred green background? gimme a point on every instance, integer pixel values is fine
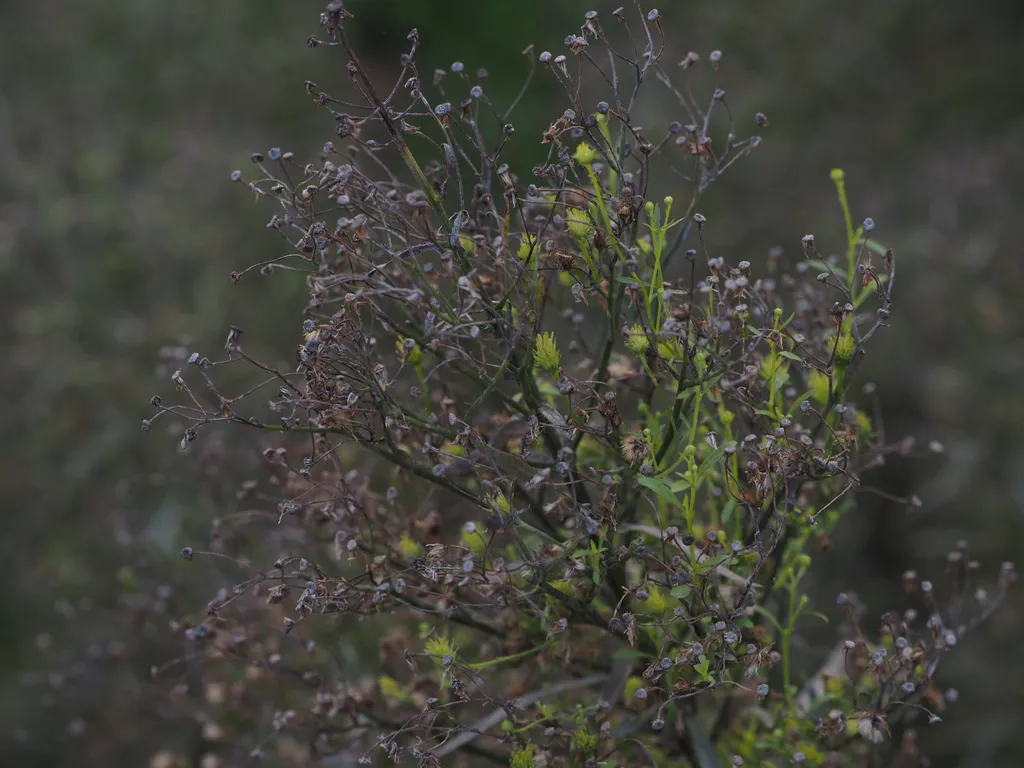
(120, 121)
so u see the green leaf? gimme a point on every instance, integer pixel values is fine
(876, 247)
(712, 459)
(796, 403)
(702, 667)
(702, 746)
(790, 356)
(655, 218)
(769, 616)
(681, 592)
(680, 485)
(727, 511)
(779, 381)
(660, 487)
(866, 294)
(821, 266)
(714, 562)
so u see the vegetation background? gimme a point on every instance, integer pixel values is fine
(120, 121)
